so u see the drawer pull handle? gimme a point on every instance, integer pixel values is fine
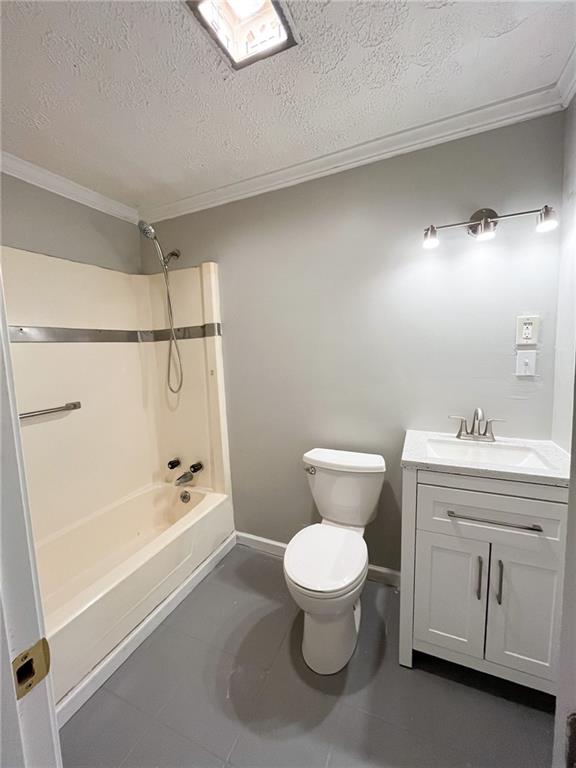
(500, 581)
(479, 586)
(534, 527)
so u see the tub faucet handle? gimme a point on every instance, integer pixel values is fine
(173, 463)
(196, 467)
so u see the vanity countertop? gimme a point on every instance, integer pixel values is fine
(534, 461)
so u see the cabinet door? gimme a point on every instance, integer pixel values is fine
(450, 592)
(524, 609)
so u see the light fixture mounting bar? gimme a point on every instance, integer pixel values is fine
(491, 218)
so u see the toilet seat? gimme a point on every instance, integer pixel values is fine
(316, 595)
(326, 560)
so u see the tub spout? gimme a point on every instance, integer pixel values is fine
(187, 477)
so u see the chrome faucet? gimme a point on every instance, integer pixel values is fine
(187, 477)
(481, 429)
(477, 419)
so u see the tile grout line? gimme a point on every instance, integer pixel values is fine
(154, 719)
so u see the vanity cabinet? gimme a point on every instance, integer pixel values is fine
(450, 592)
(482, 573)
(524, 607)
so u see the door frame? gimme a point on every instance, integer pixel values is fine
(31, 727)
(566, 695)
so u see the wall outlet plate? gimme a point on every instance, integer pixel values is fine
(527, 330)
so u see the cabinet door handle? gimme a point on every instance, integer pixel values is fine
(533, 527)
(500, 581)
(479, 585)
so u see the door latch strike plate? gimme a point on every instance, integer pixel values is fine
(31, 667)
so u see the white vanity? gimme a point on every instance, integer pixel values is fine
(483, 538)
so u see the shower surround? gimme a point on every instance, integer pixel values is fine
(113, 538)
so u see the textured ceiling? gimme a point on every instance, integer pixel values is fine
(132, 100)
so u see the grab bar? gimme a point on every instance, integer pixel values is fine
(535, 527)
(67, 407)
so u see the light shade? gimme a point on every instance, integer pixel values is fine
(430, 237)
(486, 230)
(547, 219)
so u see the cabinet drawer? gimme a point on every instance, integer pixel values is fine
(527, 523)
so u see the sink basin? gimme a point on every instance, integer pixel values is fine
(497, 454)
(508, 458)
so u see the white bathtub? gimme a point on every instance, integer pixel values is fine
(101, 577)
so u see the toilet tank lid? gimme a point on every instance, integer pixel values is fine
(345, 461)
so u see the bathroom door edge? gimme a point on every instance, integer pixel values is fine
(30, 720)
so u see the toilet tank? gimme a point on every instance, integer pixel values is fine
(345, 485)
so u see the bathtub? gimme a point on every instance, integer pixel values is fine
(102, 576)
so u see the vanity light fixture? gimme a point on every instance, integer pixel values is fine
(245, 30)
(430, 237)
(482, 224)
(547, 219)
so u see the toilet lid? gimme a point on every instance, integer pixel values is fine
(345, 461)
(325, 558)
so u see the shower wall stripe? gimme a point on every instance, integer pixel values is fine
(43, 334)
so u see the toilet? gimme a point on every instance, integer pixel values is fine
(325, 564)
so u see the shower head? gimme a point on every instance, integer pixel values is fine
(147, 230)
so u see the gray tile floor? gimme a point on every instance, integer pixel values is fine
(221, 683)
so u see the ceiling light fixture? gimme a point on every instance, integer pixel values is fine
(482, 224)
(245, 30)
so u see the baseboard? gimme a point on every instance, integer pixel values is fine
(384, 575)
(79, 695)
(272, 547)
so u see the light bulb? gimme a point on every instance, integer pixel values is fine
(430, 237)
(486, 230)
(547, 220)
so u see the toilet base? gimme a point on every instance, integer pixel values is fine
(330, 640)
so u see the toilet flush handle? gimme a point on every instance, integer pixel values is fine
(310, 470)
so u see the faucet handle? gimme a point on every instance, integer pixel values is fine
(463, 429)
(488, 432)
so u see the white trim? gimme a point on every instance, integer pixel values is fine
(567, 81)
(272, 547)
(79, 695)
(32, 718)
(384, 575)
(40, 177)
(525, 107)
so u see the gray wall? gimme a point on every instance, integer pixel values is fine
(566, 333)
(565, 395)
(340, 331)
(42, 222)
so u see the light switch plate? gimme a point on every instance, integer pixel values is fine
(526, 362)
(527, 330)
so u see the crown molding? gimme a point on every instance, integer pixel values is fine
(40, 177)
(567, 81)
(496, 115)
